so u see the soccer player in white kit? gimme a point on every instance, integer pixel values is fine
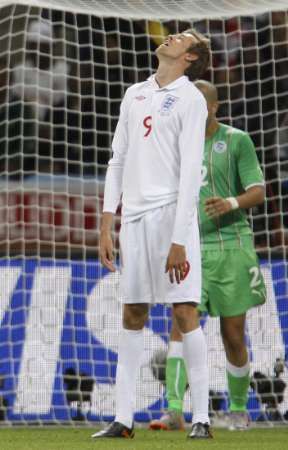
(156, 167)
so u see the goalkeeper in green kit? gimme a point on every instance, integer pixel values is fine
(232, 283)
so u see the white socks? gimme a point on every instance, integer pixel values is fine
(238, 372)
(130, 350)
(195, 355)
(175, 349)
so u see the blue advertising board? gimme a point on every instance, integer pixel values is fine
(59, 327)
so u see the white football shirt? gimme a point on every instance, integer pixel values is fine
(157, 152)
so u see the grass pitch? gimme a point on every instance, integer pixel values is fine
(79, 439)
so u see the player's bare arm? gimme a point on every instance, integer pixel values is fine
(217, 206)
(176, 263)
(106, 242)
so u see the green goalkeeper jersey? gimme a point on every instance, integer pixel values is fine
(230, 167)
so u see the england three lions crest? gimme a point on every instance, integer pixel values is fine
(168, 104)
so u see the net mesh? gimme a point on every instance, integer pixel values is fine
(64, 68)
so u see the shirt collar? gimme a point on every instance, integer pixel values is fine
(169, 87)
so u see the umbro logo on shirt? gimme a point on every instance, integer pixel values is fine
(140, 97)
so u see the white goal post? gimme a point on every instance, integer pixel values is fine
(64, 67)
(160, 9)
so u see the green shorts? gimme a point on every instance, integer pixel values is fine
(232, 282)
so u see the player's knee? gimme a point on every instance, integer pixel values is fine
(235, 342)
(135, 316)
(186, 317)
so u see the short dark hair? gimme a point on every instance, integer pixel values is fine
(201, 48)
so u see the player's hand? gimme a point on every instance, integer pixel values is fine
(217, 206)
(107, 250)
(176, 264)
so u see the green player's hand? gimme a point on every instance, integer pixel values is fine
(217, 206)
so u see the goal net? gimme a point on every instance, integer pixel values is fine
(64, 67)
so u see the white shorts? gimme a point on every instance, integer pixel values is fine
(144, 247)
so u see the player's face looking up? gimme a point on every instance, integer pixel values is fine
(187, 52)
(177, 46)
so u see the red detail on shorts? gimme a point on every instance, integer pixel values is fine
(187, 269)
